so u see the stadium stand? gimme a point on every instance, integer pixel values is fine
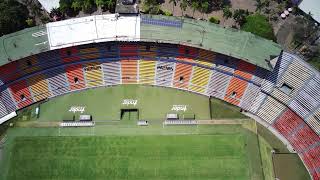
(146, 71)
(285, 97)
(164, 73)
(39, 87)
(93, 74)
(200, 79)
(218, 84)
(21, 93)
(57, 80)
(235, 91)
(129, 71)
(111, 73)
(182, 75)
(75, 76)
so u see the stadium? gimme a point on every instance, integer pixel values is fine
(167, 98)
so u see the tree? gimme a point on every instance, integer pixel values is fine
(183, 6)
(259, 25)
(65, 6)
(240, 15)
(84, 5)
(174, 3)
(13, 16)
(194, 6)
(214, 20)
(108, 4)
(227, 12)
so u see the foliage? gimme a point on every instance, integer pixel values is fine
(167, 13)
(227, 13)
(13, 16)
(84, 5)
(240, 15)
(152, 7)
(214, 20)
(258, 24)
(30, 22)
(106, 4)
(65, 6)
(315, 61)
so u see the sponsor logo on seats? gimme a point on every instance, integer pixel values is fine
(92, 68)
(128, 102)
(75, 109)
(167, 68)
(179, 108)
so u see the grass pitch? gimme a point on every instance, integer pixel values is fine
(175, 152)
(122, 150)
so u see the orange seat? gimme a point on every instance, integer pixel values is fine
(235, 91)
(129, 71)
(75, 76)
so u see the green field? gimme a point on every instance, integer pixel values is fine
(119, 149)
(105, 103)
(203, 152)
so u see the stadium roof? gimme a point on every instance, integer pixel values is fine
(202, 34)
(48, 5)
(311, 6)
(102, 28)
(23, 43)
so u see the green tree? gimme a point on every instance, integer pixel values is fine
(109, 4)
(259, 25)
(214, 20)
(13, 16)
(240, 15)
(174, 3)
(84, 5)
(183, 6)
(227, 12)
(194, 6)
(65, 6)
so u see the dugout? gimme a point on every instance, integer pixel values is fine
(130, 114)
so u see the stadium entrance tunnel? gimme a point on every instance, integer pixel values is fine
(129, 115)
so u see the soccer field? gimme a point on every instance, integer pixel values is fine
(215, 155)
(105, 103)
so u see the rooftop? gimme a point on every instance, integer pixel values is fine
(101, 28)
(311, 6)
(202, 34)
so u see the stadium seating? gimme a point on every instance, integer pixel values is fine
(39, 87)
(200, 79)
(129, 71)
(182, 75)
(146, 72)
(75, 76)
(111, 72)
(287, 98)
(218, 84)
(21, 93)
(164, 73)
(28, 65)
(89, 52)
(93, 74)
(235, 91)
(69, 54)
(58, 83)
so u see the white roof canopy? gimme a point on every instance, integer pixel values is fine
(99, 28)
(48, 5)
(311, 6)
